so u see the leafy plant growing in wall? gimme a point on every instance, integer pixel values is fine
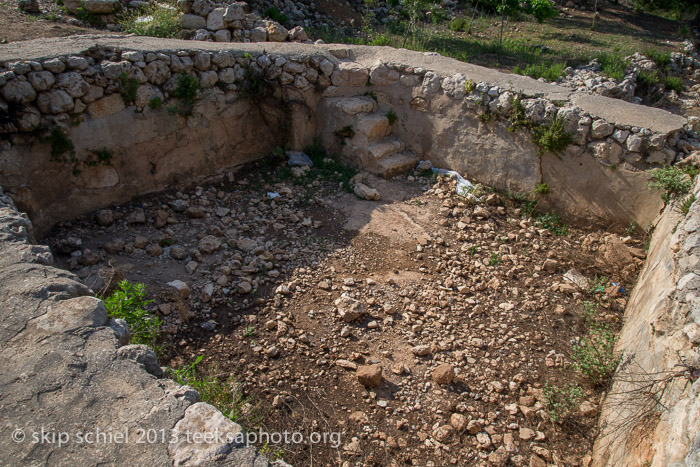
(673, 181)
(186, 92)
(551, 138)
(129, 88)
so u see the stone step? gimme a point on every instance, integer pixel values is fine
(397, 163)
(355, 105)
(372, 127)
(385, 147)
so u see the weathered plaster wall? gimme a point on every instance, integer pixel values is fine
(600, 179)
(651, 415)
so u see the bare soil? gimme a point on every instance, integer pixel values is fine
(480, 286)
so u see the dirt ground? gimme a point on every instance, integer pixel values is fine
(464, 307)
(18, 26)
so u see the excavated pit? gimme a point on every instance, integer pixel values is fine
(472, 310)
(477, 287)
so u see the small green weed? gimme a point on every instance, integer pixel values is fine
(345, 132)
(212, 389)
(672, 180)
(542, 189)
(595, 356)
(632, 228)
(517, 119)
(62, 147)
(327, 167)
(590, 311)
(560, 401)
(391, 115)
(271, 453)
(373, 95)
(165, 242)
(495, 259)
(99, 157)
(597, 284)
(128, 302)
(686, 204)
(155, 103)
(249, 331)
(129, 88)
(486, 115)
(552, 222)
(469, 86)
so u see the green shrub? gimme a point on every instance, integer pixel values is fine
(672, 180)
(550, 71)
(612, 65)
(661, 59)
(674, 82)
(495, 259)
(541, 9)
(391, 115)
(595, 356)
(552, 137)
(560, 401)
(459, 24)
(275, 15)
(88, 17)
(128, 303)
(156, 20)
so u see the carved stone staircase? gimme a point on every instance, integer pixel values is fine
(356, 128)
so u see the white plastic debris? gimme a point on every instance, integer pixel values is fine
(463, 186)
(273, 195)
(299, 158)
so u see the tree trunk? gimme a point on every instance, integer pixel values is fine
(696, 20)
